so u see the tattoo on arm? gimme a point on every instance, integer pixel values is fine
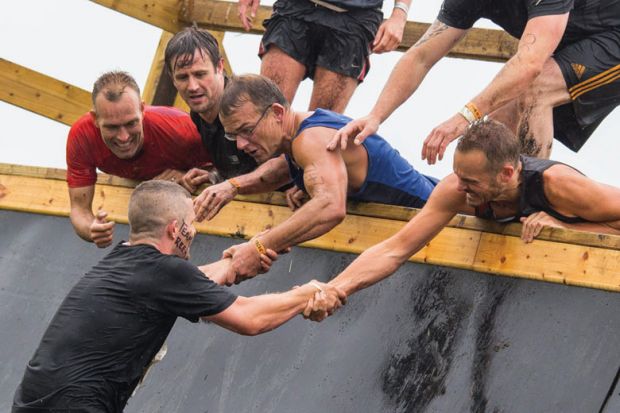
(528, 40)
(435, 30)
(313, 178)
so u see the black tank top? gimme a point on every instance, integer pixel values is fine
(532, 198)
(228, 160)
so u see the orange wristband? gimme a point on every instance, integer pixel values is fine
(474, 110)
(234, 183)
(260, 247)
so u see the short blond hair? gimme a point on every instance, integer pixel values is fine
(153, 205)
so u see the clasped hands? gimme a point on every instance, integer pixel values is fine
(326, 300)
(246, 262)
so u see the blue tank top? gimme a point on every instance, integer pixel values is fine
(390, 178)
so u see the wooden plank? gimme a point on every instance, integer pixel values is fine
(42, 94)
(60, 174)
(455, 247)
(547, 261)
(483, 44)
(219, 36)
(388, 212)
(156, 70)
(161, 13)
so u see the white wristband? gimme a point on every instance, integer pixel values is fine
(402, 6)
(315, 285)
(468, 115)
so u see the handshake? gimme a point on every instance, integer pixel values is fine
(324, 302)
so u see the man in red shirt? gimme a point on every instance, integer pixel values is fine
(121, 136)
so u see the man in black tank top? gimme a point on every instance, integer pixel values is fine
(490, 173)
(562, 82)
(500, 184)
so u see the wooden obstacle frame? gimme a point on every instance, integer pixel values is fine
(558, 255)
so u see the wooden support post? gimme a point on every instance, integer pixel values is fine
(42, 94)
(157, 88)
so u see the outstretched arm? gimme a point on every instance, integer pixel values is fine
(383, 259)
(269, 176)
(403, 81)
(325, 178)
(259, 314)
(540, 38)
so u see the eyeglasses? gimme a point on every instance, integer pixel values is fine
(246, 132)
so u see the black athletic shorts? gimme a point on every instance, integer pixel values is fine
(591, 69)
(317, 36)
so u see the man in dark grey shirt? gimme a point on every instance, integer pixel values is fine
(116, 318)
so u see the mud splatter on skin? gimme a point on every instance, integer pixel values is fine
(529, 145)
(414, 379)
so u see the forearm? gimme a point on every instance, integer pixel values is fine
(315, 218)
(217, 271)
(269, 176)
(270, 311)
(512, 80)
(373, 265)
(612, 227)
(398, 12)
(381, 260)
(402, 83)
(81, 219)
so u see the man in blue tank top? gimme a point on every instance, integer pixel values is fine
(256, 115)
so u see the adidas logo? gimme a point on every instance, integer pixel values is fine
(579, 69)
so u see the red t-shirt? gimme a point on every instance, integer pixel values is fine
(171, 141)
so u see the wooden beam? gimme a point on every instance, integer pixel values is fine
(481, 251)
(364, 209)
(157, 69)
(483, 44)
(60, 174)
(42, 94)
(160, 13)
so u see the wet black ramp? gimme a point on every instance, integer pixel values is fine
(427, 339)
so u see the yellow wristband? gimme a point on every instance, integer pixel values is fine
(474, 110)
(234, 183)
(260, 247)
